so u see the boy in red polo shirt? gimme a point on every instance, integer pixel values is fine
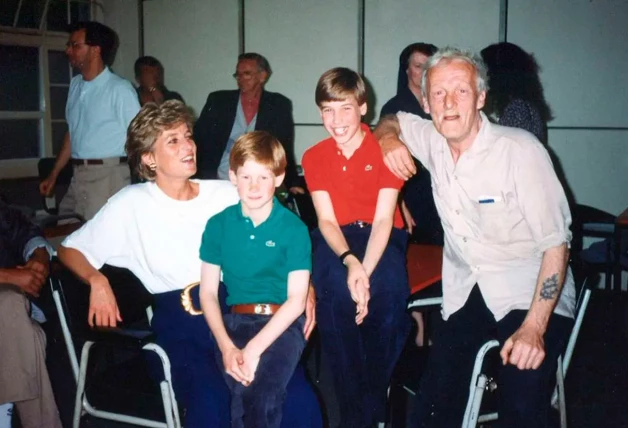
(359, 252)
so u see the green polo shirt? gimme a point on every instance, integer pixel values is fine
(256, 261)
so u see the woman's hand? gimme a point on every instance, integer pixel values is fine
(358, 283)
(310, 312)
(103, 308)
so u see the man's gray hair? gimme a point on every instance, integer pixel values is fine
(448, 54)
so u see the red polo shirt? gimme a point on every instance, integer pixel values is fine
(353, 184)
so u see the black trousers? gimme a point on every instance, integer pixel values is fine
(523, 395)
(260, 404)
(361, 357)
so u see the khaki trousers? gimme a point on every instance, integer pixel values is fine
(92, 186)
(23, 375)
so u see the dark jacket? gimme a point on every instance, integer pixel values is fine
(417, 191)
(213, 128)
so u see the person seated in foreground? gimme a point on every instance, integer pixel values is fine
(359, 252)
(506, 222)
(260, 342)
(24, 267)
(154, 229)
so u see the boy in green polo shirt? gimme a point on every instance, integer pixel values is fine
(264, 253)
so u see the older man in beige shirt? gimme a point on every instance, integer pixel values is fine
(506, 223)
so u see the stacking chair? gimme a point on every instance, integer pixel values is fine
(481, 382)
(74, 326)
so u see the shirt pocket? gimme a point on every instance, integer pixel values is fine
(496, 221)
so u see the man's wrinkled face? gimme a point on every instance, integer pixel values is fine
(453, 100)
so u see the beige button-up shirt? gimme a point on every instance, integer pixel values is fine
(501, 206)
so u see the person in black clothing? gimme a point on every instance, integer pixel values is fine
(231, 113)
(24, 266)
(418, 208)
(149, 74)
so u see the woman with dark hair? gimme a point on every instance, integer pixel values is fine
(515, 97)
(409, 98)
(418, 208)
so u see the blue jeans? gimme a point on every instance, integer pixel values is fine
(361, 357)
(524, 395)
(259, 405)
(197, 379)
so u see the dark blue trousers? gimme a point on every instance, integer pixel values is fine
(197, 379)
(259, 405)
(361, 358)
(524, 395)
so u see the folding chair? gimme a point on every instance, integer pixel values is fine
(137, 339)
(480, 381)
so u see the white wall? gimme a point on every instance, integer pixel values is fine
(122, 16)
(197, 42)
(579, 44)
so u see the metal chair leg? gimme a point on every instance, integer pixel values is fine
(80, 388)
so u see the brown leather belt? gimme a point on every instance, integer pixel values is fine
(255, 309)
(121, 159)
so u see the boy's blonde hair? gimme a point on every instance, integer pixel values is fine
(260, 147)
(338, 84)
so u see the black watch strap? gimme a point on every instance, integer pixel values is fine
(344, 255)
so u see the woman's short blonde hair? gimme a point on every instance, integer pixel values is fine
(146, 128)
(260, 147)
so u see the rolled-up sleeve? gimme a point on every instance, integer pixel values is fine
(416, 133)
(541, 198)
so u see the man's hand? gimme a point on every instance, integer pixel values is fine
(48, 185)
(39, 262)
(232, 360)
(525, 348)
(407, 217)
(310, 312)
(358, 283)
(28, 280)
(297, 190)
(397, 157)
(103, 308)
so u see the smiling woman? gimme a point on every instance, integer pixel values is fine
(154, 229)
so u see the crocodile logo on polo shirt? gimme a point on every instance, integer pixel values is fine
(368, 167)
(270, 244)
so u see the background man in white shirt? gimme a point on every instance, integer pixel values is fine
(506, 223)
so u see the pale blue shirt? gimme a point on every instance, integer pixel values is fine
(98, 113)
(239, 127)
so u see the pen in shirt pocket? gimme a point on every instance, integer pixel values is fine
(489, 199)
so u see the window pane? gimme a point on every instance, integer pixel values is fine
(57, 18)
(58, 67)
(58, 131)
(7, 12)
(20, 139)
(58, 98)
(31, 13)
(79, 11)
(19, 85)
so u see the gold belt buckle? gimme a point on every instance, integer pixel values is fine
(186, 300)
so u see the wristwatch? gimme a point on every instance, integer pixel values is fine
(344, 255)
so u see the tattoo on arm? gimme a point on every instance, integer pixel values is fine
(549, 289)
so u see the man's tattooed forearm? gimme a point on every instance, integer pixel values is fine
(549, 289)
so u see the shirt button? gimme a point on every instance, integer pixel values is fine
(458, 212)
(456, 177)
(252, 236)
(344, 168)
(464, 239)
